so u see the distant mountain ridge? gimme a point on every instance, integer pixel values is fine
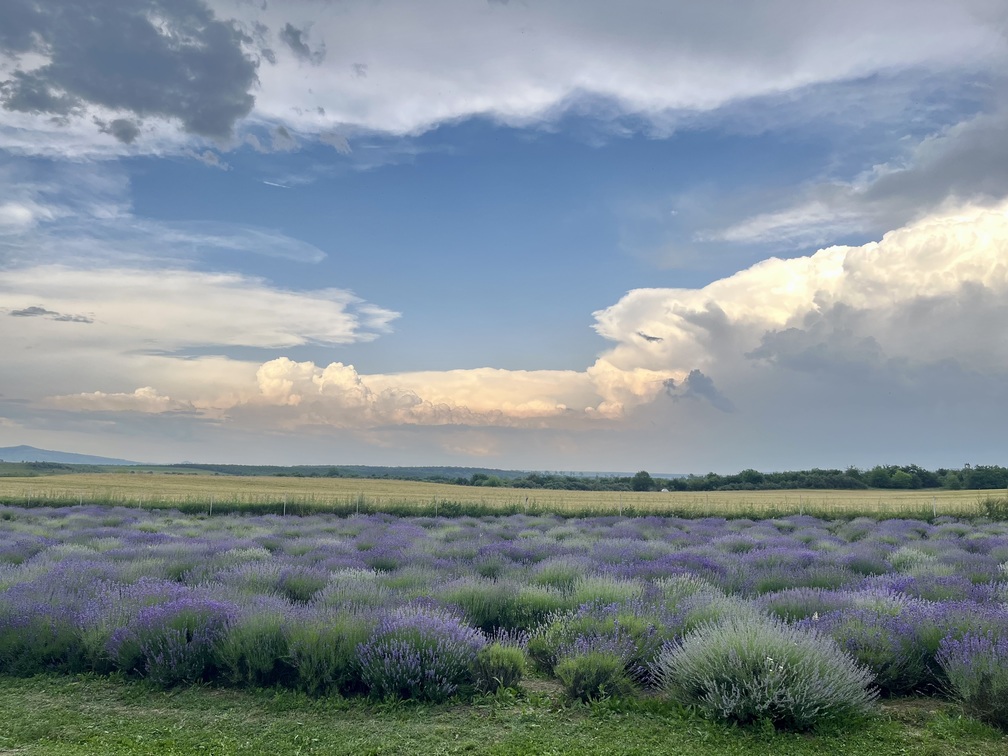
(31, 454)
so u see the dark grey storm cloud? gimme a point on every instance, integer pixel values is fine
(294, 38)
(282, 140)
(168, 58)
(31, 312)
(699, 386)
(123, 129)
(41, 312)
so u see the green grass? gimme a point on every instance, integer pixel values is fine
(94, 715)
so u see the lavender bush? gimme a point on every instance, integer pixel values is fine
(420, 653)
(98, 589)
(255, 649)
(594, 675)
(323, 644)
(498, 665)
(174, 642)
(744, 672)
(976, 667)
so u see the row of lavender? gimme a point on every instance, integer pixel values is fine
(761, 612)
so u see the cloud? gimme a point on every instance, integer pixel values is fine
(174, 60)
(78, 218)
(174, 309)
(282, 141)
(36, 197)
(35, 312)
(18, 216)
(208, 158)
(337, 141)
(663, 63)
(897, 316)
(903, 322)
(145, 399)
(222, 66)
(699, 386)
(30, 312)
(123, 129)
(337, 395)
(962, 162)
(295, 39)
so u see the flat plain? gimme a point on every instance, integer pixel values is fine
(123, 566)
(342, 495)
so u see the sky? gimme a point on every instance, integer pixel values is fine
(539, 235)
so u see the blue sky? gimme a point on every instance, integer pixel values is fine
(528, 235)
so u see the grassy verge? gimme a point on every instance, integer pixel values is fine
(93, 715)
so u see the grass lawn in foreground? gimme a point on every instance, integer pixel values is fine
(98, 715)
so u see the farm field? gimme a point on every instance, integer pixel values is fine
(348, 495)
(515, 633)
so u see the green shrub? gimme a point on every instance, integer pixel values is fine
(594, 676)
(487, 604)
(560, 572)
(977, 669)
(602, 589)
(353, 588)
(323, 650)
(254, 650)
(995, 507)
(497, 666)
(301, 584)
(749, 669)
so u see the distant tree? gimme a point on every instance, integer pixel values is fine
(642, 481)
(902, 479)
(951, 481)
(878, 477)
(985, 476)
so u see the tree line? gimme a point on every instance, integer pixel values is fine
(880, 476)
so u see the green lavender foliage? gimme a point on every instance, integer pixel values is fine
(498, 666)
(322, 647)
(977, 669)
(594, 676)
(746, 670)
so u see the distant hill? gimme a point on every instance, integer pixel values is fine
(31, 454)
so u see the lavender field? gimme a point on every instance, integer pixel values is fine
(795, 620)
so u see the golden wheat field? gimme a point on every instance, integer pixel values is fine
(375, 495)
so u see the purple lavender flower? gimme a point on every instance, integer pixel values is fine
(976, 666)
(419, 653)
(172, 642)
